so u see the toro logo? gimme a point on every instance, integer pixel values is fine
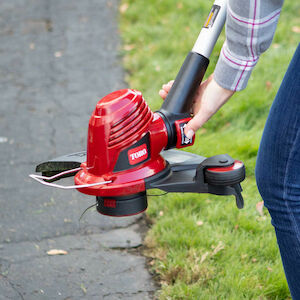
(138, 154)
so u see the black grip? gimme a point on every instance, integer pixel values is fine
(180, 97)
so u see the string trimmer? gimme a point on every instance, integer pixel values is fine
(129, 147)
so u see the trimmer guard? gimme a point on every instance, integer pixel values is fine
(61, 164)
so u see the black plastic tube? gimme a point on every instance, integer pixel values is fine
(180, 97)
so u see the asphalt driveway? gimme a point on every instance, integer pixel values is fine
(57, 58)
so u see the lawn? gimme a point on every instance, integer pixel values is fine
(202, 246)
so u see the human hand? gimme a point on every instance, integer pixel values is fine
(209, 97)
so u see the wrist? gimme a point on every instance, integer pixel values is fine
(223, 92)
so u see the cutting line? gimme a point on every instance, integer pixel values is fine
(41, 179)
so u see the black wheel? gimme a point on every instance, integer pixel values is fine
(225, 175)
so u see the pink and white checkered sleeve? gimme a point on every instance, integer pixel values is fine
(250, 27)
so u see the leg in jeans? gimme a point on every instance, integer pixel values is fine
(278, 171)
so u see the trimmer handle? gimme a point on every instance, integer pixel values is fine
(179, 100)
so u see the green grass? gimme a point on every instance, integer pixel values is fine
(233, 254)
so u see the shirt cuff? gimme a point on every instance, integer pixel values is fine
(232, 72)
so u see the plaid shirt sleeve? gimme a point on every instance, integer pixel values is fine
(250, 27)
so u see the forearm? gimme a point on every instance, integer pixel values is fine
(250, 27)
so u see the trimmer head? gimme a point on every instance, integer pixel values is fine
(124, 142)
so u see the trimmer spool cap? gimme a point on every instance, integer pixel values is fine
(122, 206)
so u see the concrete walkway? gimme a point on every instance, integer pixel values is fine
(57, 58)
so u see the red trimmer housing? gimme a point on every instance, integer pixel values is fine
(124, 142)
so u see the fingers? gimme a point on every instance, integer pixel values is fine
(191, 127)
(163, 94)
(170, 83)
(165, 89)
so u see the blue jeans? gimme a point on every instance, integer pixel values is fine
(278, 171)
